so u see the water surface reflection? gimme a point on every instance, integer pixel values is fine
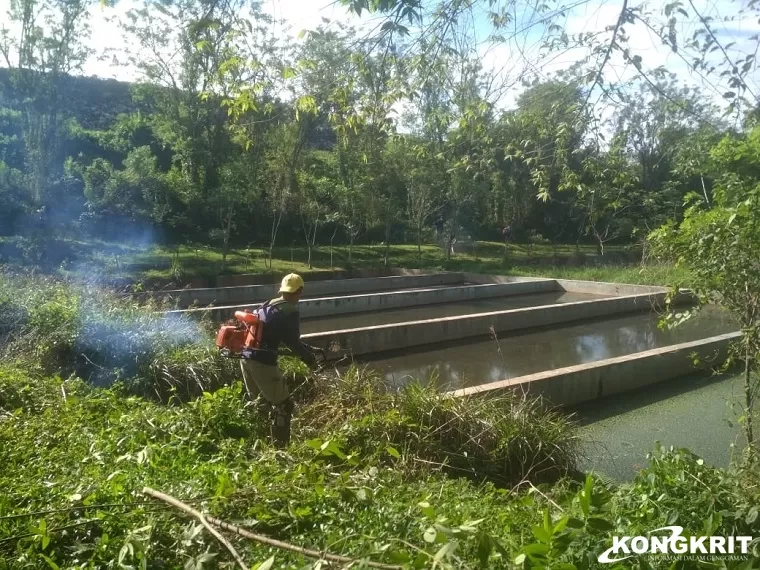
(358, 320)
(459, 364)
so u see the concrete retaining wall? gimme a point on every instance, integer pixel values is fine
(602, 288)
(311, 276)
(574, 285)
(483, 278)
(418, 333)
(584, 382)
(155, 284)
(244, 279)
(252, 293)
(591, 287)
(333, 306)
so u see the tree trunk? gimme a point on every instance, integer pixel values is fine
(312, 242)
(387, 241)
(335, 231)
(275, 226)
(599, 243)
(226, 242)
(419, 247)
(748, 400)
(310, 231)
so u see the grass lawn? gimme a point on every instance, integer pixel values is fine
(619, 264)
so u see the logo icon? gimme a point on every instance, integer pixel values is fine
(624, 547)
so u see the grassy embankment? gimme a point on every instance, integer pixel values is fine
(412, 478)
(618, 265)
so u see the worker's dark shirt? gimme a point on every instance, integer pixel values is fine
(281, 326)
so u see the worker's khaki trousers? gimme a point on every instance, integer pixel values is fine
(264, 379)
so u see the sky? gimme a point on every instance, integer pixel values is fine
(517, 56)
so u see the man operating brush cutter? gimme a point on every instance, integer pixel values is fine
(275, 323)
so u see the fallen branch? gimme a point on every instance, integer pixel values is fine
(293, 548)
(197, 514)
(265, 539)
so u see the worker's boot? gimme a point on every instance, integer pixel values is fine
(281, 423)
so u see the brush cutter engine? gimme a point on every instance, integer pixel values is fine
(240, 335)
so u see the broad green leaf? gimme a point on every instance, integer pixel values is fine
(266, 565)
(599, 524)
(541, 534)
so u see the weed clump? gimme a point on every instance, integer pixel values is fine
(76, 329)
(75, 458)
(507, 439)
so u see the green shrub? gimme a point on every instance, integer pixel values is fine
(506, 439)
(77, 329)
(74, 462)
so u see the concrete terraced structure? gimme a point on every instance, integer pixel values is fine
(479, 305)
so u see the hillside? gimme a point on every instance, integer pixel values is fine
(93, 102)
(96, 102)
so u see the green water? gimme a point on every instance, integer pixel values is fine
(699, 413)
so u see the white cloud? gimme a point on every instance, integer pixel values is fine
(106, 35)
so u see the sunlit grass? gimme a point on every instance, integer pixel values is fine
(184, 263)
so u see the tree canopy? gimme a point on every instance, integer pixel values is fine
(236, 136)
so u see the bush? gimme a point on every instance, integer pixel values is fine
(507, 439)
(76, 457)
(79, 329)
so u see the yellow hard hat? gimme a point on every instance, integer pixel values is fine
(291, 283)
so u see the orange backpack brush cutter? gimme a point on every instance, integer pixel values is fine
(238, 337)
(242, 334)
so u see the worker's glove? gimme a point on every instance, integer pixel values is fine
(310, 360)
(317, 357)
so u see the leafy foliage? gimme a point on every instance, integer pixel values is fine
(719, 244)
(76, 458)
(82, 330)
(219, 139)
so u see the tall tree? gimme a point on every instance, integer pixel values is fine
(719, 243)
(44, 44)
